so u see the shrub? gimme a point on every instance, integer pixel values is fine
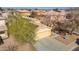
(22, 29)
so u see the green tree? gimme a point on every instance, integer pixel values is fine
(22, 29)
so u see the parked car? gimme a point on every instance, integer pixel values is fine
(4, 34)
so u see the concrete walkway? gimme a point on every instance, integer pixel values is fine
(51, 44)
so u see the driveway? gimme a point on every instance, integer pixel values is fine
(51, 44)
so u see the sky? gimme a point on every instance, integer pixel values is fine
(39, 7)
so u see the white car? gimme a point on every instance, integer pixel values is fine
(4, 34)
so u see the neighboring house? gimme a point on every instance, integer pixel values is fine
(39, 12)
(50, 17)
(56, 15)
(3, 28)
(24, 12)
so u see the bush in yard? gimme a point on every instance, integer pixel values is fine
(22, 29)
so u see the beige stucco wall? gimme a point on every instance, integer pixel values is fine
(24, 12)
(43, 34)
